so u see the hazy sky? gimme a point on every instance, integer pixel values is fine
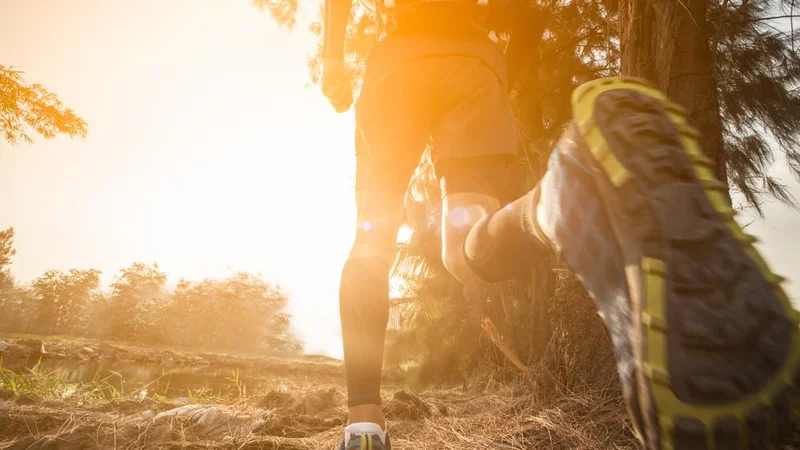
(206, 152)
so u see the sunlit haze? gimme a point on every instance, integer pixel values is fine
(207, 152)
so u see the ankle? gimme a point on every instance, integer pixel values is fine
(366, 413)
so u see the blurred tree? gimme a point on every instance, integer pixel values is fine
(252, 313)
(191, 313)
(668, 43)
(7, 251)
(753, 46)
(10, 302)
(240, 313)
(283, 11)
(63, 298)
(25, 107)
(137, 303)
(735, 73)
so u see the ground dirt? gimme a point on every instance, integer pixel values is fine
(301, 405)
(435, 420)
(55, 350)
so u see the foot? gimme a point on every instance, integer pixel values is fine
(365, 436)
(706, 340)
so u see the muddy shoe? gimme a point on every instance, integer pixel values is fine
(365, 436)
(706, 340)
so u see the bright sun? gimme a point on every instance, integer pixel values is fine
(201, 155)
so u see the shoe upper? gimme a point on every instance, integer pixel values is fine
(572, 216)
(366, 442)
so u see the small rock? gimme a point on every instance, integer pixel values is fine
(33, 345)
(16, 350)
(208, 421)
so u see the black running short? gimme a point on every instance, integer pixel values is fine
(455, 101)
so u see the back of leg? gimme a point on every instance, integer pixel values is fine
(393, 125)
(474, 149)
(364, 294)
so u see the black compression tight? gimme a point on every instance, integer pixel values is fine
(364, 310)
(499, 247)
(506, 243)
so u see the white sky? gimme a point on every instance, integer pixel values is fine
(206, 152)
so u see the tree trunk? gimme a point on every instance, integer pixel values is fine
(667, 43)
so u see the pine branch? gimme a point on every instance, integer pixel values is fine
(791, 23)
(762, 19)
(718, 34)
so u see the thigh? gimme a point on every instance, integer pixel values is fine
(394, 120)
(474, 142)
(393, 126)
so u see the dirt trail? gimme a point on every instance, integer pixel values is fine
(296, 411)
(91, 350)
(436, 420)
(271, 421)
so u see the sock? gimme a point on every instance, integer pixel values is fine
(505, 244)
(362, 428)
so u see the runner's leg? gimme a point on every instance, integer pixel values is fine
(364, 301)
(706, 340)
(393, 126)
(474, 148)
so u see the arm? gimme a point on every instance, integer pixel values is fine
(526, 25)
(335, 18)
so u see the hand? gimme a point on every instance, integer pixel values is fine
(527, 26)
(337, 84)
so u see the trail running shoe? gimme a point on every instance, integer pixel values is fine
(365, 442)
(706, 340)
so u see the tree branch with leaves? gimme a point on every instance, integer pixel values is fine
(30, 108)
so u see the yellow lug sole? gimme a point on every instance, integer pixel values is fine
(668, 406)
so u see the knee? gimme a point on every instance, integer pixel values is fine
(375, 240)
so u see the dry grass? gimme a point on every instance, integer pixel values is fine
(591, 420)
(571, 402)
(311, 417)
